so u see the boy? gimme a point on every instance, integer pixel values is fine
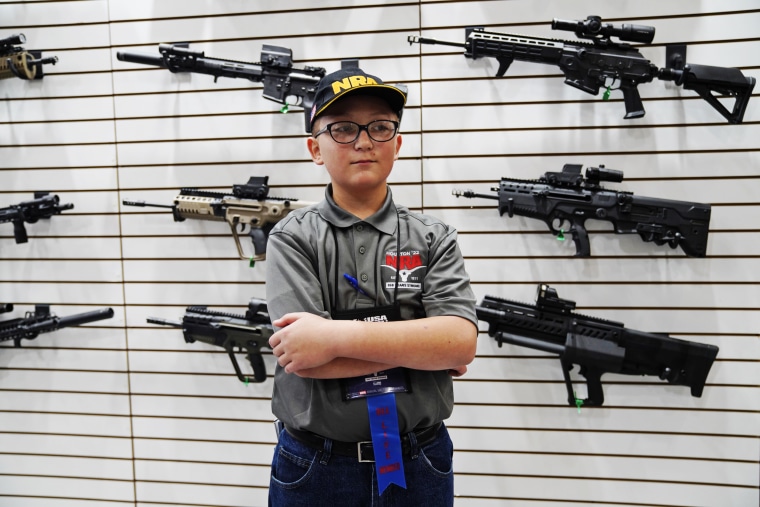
(375, 315)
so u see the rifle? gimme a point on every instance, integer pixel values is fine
(247, 205)
(589, 65)
(16, 61)
(42, 321)
(230, 331)
(44, 205)
(568, 197)
(282, 82)
(598, 346)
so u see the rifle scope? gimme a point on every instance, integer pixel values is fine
(547, 299)
(18, 38)
(597, 174)
(592, 28)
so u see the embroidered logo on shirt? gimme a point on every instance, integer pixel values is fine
(410, 272)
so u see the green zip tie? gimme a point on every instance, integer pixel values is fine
(578, 402)
(284, 109)
(561, 235)
(606, 95)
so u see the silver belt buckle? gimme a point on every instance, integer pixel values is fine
(359, 453)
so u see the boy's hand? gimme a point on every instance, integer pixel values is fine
(302, 342)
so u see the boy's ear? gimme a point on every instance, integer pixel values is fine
(314, 150)
(398, 146)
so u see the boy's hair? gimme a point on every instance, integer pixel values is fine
(354, 80)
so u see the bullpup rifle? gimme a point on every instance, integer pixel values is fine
(598, 346)
(569, 198)
(247, 206)
(589, 66)
(282, 82)
(234, 333)
(43, 206)
(42, 321)
(15, 61)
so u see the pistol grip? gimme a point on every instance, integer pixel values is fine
(633, 106)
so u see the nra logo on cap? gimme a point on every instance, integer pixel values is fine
(351, 82)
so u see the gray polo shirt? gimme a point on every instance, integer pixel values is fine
(307, 255)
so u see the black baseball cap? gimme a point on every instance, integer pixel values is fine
(354, 80)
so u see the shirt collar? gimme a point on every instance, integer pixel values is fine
(384, 220)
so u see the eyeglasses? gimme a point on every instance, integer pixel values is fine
(345, 132)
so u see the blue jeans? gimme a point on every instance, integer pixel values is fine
(303, 476)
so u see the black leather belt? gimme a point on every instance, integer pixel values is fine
(362, 451)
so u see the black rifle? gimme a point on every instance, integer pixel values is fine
(42, 321)
(248, 205)
(589, 65)
(234, 333)
(282, 82)
(568, 197)
(597, 346)
(21, 63)
(44, 205)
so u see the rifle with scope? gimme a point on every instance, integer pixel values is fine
(598, 346)
(234, 333)
(282, 82)
(43, 206)
(16, 61)
(560, 198)
(42, 321)
(590, 66)
(246, 206)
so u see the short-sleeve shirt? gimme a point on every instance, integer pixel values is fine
(308, 253)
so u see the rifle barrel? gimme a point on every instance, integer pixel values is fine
(84, 318)
(144, 204)
(163, 322)
(143, 58)
(470, 194)
(413, 39)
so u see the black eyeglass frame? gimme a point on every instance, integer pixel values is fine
(329, 126)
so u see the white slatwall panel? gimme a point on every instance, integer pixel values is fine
(120, 412)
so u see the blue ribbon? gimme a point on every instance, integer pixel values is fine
(386, 441)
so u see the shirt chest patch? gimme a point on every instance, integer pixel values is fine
(410, 271)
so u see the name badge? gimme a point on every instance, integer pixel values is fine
(395, 380)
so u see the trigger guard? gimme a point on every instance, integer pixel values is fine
(562, 221)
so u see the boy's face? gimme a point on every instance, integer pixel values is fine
(363, 165)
